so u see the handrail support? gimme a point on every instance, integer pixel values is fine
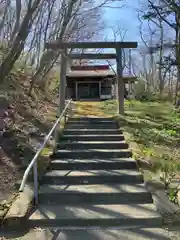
(35, 171)
(33, 164)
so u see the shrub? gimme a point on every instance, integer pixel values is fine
(142, 94)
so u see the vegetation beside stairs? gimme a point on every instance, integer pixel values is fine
(24, 121)
(108, 108)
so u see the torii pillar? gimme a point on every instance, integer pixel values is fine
(62, 84)
(120, 83)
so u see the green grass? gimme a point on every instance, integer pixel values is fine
(109, 107)
(152, 130)
(152, 123)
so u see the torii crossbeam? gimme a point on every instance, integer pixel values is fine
(63, 45)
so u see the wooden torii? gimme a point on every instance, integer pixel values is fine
(64, 46)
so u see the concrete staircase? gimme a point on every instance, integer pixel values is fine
(93, 182)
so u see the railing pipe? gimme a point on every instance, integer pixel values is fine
(33, 163)
(35, 173)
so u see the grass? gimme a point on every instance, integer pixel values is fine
(85, 109)
(27, 120)
(154, 126)
(152, 130)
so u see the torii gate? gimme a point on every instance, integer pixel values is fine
(64, 46)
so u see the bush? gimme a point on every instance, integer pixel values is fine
(141, 94)
(167, 167)
(146, 96)
(139, 88)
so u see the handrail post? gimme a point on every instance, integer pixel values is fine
(33, 163)
(35, 173)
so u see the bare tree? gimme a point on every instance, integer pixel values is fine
(78, 22)
(165, 10)
(17, 22)
(152, 17)
(25, 26)
(147, 54)
(19, 40)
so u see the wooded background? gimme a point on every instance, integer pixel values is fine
(26, 25)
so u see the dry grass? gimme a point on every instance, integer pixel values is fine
(27, 120)
(89, 109)
(151, 128)
(153, 132)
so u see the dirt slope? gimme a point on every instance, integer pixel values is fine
(24, 121)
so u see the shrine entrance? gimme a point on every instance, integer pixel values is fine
(84, 90)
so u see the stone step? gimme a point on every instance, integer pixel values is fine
(95, 119)
(91, 154)
(93, 216)
(87, 131)
(94, 194)
(134, 233)
(93, 145)
(91, 137)
(89, 164)
(91, 121)
(91, 126)
(92, 177)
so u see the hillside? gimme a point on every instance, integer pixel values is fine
(24, 121)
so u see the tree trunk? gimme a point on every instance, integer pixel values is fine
(48, 56)
(161, 80)
(177, 56)
(17, 23)
(19, 41)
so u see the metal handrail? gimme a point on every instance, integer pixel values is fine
(33, 162)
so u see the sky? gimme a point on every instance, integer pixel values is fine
(126, 17)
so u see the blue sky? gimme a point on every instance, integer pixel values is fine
(125, 17)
